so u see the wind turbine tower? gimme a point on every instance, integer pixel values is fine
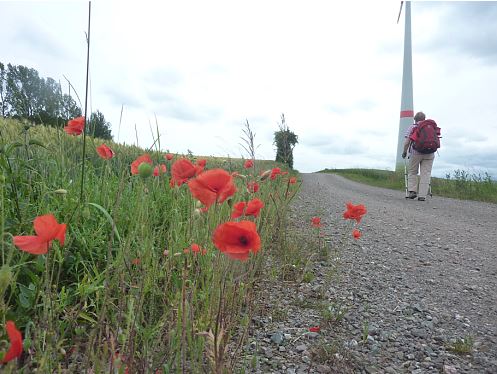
(406, 104)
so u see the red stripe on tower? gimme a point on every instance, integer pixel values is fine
(406, 113)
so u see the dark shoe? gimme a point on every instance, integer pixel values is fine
(421, 199)
(412, 195)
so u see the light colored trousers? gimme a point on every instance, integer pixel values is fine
(422, 163)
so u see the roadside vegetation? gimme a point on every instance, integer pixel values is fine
(137, 260)
(146, 262)
(459, 184)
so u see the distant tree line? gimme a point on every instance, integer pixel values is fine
(26, 95)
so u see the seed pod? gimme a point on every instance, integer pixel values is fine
(145, 170)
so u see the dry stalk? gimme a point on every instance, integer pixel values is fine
(216, 349)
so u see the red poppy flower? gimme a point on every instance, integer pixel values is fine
(15, 337)
(136, 261)
(316, 221)
(237, 239)
(75, 126)
(284, 172)
(47, 229)
(354, 212)
(238, 209)
(315, 329)
(212, 186)
(248, 164)
(105, 152)
(162, 170)
(195, 248)
(168, 156)
(140, 160)
(356, 233)
(252, 187)
(275, 172)
(182, 170)
(292, 180)
(254, 207)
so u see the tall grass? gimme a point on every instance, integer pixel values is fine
(122, 292)
(459, 184)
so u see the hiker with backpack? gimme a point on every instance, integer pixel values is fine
(422, 141)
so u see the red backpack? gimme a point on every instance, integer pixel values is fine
(426, 136)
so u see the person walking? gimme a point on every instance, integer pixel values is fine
(421, 163)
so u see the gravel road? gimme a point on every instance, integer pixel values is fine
(422, 277)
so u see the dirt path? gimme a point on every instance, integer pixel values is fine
(422, 277)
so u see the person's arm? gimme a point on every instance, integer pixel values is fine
(407, 143)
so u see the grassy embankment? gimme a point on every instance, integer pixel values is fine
(459, 184)
(122, 292)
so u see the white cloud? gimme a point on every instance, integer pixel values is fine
(334, 69)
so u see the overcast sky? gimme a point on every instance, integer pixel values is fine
(333, 68)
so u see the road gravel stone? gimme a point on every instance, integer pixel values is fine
(422, 277)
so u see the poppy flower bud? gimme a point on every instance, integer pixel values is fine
(145, 170)
(197, 212)
(266, 174)
(198, 204)
(2, 179)
(60, 191)
(5, 278)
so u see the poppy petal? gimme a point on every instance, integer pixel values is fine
(46, 227)
(61, 234)
(31, 244)
(211, 186)
(199, 191)
(238, 256)
(237, 238)
(254, 207)
(15, 338)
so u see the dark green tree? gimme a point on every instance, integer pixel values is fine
(70, 108)
(285, 140)
(99, 127)
(3, 104)
(23, 92)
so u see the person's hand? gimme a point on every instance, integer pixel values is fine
(404, 154)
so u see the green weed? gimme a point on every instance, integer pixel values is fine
(462, 345)
(332, 312)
